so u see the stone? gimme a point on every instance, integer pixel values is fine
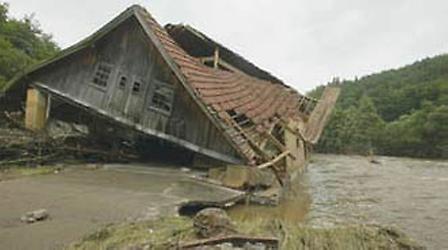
(256, 246)
(34, 216)
(226, 246)
(236, 176)
(260, 179)
(213, 222)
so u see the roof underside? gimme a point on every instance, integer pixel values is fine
(197, 44)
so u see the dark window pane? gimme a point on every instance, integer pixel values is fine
(136, 87)
(122, 83)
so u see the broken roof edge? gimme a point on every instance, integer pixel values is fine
(266, 74)
(133, 11)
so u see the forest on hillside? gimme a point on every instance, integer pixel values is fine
(22, 44)
(401, 112)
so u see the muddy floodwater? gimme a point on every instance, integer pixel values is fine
(336, 190)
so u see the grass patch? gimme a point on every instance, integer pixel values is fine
(162, 233)
(34, 171)
(166, 233)
(348, 237)
(18, 172)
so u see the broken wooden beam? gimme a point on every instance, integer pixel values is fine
(236, 240)
(296, 132)
(278, 144)
(273, 161)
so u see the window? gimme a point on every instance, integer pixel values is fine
(162, 99)
(102, 75)
(136, 87)
(122, 82)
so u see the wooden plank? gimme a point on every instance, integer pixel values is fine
(222, 63)
(319, 118)
(275, 160)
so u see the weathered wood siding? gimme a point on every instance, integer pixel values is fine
(132, 55)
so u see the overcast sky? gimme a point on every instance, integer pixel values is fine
(305, 43)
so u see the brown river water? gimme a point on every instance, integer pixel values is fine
(409, 194)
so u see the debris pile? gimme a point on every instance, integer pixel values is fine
(215, 230)
(60, 141)
(212, 222)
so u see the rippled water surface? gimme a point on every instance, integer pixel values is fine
(410, 194)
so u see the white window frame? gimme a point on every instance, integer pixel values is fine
(96, 85)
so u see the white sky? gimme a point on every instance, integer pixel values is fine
(305, 43)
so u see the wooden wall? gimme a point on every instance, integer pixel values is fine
(132, 54)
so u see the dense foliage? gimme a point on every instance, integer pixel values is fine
(22, 44)
(401, 112)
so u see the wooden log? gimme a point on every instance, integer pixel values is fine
(273, 161)
(238, 240)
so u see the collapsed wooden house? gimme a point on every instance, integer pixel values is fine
(175, 84)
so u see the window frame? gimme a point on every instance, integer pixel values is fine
(151, 106)
(109, 78)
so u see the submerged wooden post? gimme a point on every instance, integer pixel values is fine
(36, 114)
(295, 145)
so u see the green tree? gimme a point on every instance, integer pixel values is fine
(368, 127)
(22, 43)
(353, 130)
(398, 112)
(436, 131)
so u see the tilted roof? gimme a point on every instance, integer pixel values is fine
(222, 90)
(225, 92)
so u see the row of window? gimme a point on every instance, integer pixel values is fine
(161, 100)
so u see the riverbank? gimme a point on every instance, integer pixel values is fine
(337, 196)
(172, 232)
(82, 199)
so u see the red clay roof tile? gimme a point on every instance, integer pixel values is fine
(223, 91)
